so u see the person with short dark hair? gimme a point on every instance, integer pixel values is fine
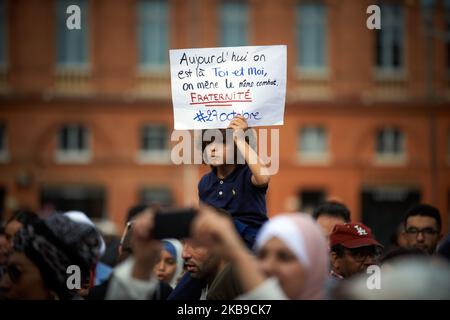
(329, 214)
(423, 228)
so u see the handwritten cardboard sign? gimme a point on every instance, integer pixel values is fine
(212, 85)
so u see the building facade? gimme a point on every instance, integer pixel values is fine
(86, 114)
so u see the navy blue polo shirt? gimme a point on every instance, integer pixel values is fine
(236, 194)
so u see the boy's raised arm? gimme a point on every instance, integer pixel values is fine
(260, 173)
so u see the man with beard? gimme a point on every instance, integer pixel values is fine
(208, 276)
(423, 228)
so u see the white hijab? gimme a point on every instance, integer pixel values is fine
(301, 234)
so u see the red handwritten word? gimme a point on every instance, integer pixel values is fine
(208, 98)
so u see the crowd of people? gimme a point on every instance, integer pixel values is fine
(232, 250)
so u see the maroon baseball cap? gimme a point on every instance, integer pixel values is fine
(352, 235)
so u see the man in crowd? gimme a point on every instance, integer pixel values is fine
(423, 228)
(353, 249)
(207, 276)
(329, 214)
(208, 272)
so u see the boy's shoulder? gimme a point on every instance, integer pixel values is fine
(205, 178)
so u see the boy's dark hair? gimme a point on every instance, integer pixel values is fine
(225, 134)
(205, 143)
(334, 209)
(2, 230)
(424, 210)
(23, 216)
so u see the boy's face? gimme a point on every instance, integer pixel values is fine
(216, 153)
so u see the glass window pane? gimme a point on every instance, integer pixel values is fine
(63, 139)
(390, 38)
(233, 23)
(73, 138)
(3, 37)
(82, 136)
(313, 140)
(72, 45)
(154, 138)
(153, 33)
(311, 35)
(390, 142)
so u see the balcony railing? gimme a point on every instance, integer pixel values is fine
(73, 81)
(153, 83)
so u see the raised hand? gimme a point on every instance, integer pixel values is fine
(239, 126)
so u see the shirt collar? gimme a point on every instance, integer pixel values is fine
(232, 174)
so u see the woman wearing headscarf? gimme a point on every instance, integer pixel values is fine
(170, 266)
(291, 255)
(101, 271)
(42, 253)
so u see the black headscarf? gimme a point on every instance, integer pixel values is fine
(55, 243)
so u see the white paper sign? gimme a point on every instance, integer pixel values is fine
(212, 85)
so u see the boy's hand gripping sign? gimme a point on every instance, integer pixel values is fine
(212, 85)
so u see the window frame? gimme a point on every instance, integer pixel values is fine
(314, 156)
(222, 24)
(390, 71)
(391, 157)
(64, 66)
(153, 156)
(73, 154)
(315, 71)
(151, 67)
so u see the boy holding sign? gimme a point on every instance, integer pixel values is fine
(240, 189)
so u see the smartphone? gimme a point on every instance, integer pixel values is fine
(173, 223)
(125, 241)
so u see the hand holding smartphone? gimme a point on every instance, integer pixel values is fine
(173, 223)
